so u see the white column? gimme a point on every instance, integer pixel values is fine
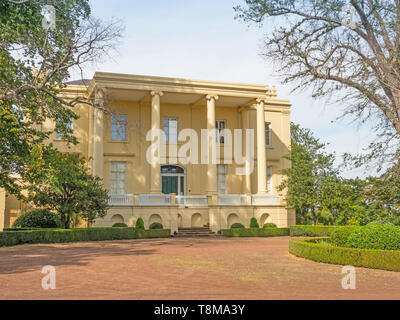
(211, 168)
(261, 152)
(246, 182)
(155, 167)
(97, 138)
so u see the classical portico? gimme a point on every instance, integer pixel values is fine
(175, 193)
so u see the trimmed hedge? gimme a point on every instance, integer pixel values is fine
(139, 224)
(270, 225)
(237, 225)
(254, 223)
(315, 231)
(156, 225)
(367, 258)
(375, 236)
(253, 232)
(74, 235)
(120, 225)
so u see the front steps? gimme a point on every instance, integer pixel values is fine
(194, 232)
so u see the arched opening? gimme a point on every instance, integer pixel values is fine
(173, 179)
(155, 218)
(180, 223)
(117, 218)
(197, 220)
(265, 218)
(232, 218)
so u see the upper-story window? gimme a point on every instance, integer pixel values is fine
(220, 125)
(118, 127)
(69, 127)
(267, 135)
(171, 130)
(118, 177)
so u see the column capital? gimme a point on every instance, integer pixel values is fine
(211, 96)
(261, 99)
(157, 93)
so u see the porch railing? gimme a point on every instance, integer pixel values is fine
(232, 200)
(154, 199)
(264, 200)
(192, 201)
(120, 199)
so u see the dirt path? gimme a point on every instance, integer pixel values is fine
(252, 268)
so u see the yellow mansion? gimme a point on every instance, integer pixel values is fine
(182, 152)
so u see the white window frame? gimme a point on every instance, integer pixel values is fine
(220, 135)
(168, 135)
(119, 174)
(269, 179)
(118, 126)
(221, 174)
(267, 134)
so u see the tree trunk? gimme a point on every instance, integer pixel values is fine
(314, 218)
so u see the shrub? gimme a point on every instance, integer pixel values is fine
(270, 225)
(237, 225)
(340, 235)
(81, 234)
(375, 236)
(379, 222)
(120, 225)
(254, 223)
(314, 231)
(139, 223)
(254, 232)
(39, 218)
(156, 225)
(377, 259)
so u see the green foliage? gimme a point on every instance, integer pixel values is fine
(254, 232)
(312, 182)
(40, 218)
(339, 236)
(139, 223)
(120, 225)
(254, 223)
(269, 225)
(66, 186)
(375, 236)
(237, 225)
(156, 225)
(75, 235)
(377, 259)
(315, 231)
(35, 65)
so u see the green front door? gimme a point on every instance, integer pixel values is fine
(170, 184)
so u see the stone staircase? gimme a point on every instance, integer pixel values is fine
(195, 232)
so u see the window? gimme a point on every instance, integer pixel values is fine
(267, 135)
(118, 127)
(220, 125)
(171, 130)
(69, 131)
(118, 178)
(221, 178)
(269, 179)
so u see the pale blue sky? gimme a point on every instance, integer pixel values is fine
(201, 40)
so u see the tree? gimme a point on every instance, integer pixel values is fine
(351, 53)
(35, 65)
(312, 181)
(64, 185)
